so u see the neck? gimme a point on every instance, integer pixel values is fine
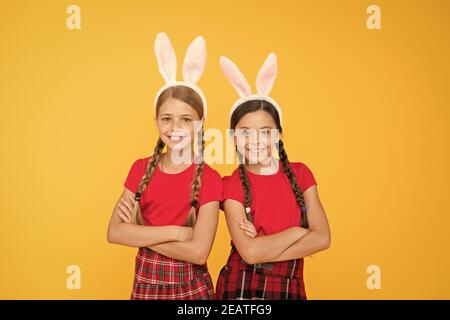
(178, 158)
(269, 166)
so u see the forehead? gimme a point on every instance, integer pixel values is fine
(176, 107)
(256, 120)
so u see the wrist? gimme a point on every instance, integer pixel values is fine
(174, 233)
(301, 232)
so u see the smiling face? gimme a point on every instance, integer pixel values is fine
(255, 134)
(178, 111)
(257, 129)
(175, 123)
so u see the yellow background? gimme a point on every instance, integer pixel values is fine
(366, 110)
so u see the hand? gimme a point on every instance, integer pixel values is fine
(184, 233)
(302, 231)
(249, 228)
(125, 209)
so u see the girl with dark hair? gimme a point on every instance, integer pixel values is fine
(272, 206)
(169, 206)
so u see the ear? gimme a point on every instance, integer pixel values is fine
(235, 76)
(195, 60)
(165, 55)
(266, 75)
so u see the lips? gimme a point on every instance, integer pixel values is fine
(175, 138)
(256, 150)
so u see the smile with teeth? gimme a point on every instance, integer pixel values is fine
(256, 150)
(176, 138)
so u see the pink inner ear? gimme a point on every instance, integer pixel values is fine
(165, 56)
(266, 75)
(235, 81)
(235, 76)
(195, 60)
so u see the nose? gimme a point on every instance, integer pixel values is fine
(175, 125)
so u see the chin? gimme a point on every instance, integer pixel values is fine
(256, 158)
(179, 145)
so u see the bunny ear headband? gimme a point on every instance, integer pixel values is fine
(193, 65)
(264, 81)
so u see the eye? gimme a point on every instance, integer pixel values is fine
(165, 118)
(265, 132)
(244, 132)
(187, 119)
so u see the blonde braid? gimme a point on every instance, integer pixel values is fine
(137, 214)
(196, 184)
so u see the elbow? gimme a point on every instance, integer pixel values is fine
(111, 236)
(326, 241)
(200, 258)
(249, 255)
(249, 260)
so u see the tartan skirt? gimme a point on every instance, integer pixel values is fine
(158, 277)
(239, 280)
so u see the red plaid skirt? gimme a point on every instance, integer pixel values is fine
(275, 281)
(163, 278)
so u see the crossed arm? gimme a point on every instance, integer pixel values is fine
(292, 243)
(177, 242)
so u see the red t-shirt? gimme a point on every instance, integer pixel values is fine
(167, 200)
(273, 202)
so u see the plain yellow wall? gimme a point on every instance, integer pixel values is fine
(366, 110)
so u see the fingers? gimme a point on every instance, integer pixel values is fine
(249, 229)
(247, 224)
(128, 204)
(124, 217)
(250, 234)
(124, 212)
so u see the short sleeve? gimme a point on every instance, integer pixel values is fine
(232, 189)
(134, 176)
(306, 177)
(211, 189)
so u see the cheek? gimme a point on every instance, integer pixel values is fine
(240, 143)
(188, 129)
(162, 126)
(266, 141)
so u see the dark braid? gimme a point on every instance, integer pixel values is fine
(245, 186)
(294, 185)
(137, 214)
(197, 182)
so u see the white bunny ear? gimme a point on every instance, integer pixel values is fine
(266, 75)
(165, 55)
(195, 60)
(235, 76)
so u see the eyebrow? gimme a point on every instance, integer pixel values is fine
(182, 115)
(265, 127)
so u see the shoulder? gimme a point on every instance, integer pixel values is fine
(299, 167)
(232, 187)
(135, 173)
(210, 175)
(234, 176)
(304, 175)
(210, 172)
(233, 180)
(140, 164)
